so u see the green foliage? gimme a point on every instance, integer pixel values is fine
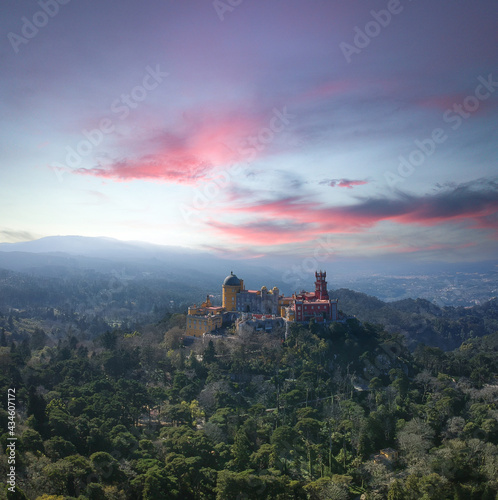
(95, 491)
(325, 488)
(158, 484)
(32, 441)
(68, 475)
(232, 485)
(57, 448)
(134, 416)
(241, 449)
(17, 494)
(106, 468)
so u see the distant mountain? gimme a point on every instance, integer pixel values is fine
(463, 284)
(93, 247)
(66, 255)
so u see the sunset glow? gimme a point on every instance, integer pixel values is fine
(259, 128)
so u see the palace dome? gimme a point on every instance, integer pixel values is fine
(231, 280)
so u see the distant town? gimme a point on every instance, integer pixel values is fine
(443, 289)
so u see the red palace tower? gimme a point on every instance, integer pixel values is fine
(317, 306)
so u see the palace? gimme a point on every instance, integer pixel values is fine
(235, 298)
(237, 301)
(305, 306)
(204, 319)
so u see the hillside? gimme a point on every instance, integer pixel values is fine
(421, 321)
(112, 405)
(137, 416)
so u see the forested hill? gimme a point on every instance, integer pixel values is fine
(141, 417)
(421, 321)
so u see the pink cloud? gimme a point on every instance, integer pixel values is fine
(329, 219)
(166, 168)
(344, 183)
(301, 220)
(264, 232)
(200, 144)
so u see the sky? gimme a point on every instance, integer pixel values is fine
(303, 129)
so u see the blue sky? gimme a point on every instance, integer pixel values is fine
(252, 127)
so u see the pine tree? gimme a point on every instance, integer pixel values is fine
(241, 450)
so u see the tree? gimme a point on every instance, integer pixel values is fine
(326, 489)
(3, 339)
(109, 340)
(57, 448)
(95, 491)
(238, 485)
(38, 339)
(61, 423)
(17, 494)
(124, 443)
(158, 484)
(430, 487)
(263, 458)
(241, 450)
(32, 441)
(68, 476)
(415, 439)
(172, 338)
(106, 467)
(209, 353)
(50, 497)
(308, 428)
(396, 491)
(284, 439)
(36, 407)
